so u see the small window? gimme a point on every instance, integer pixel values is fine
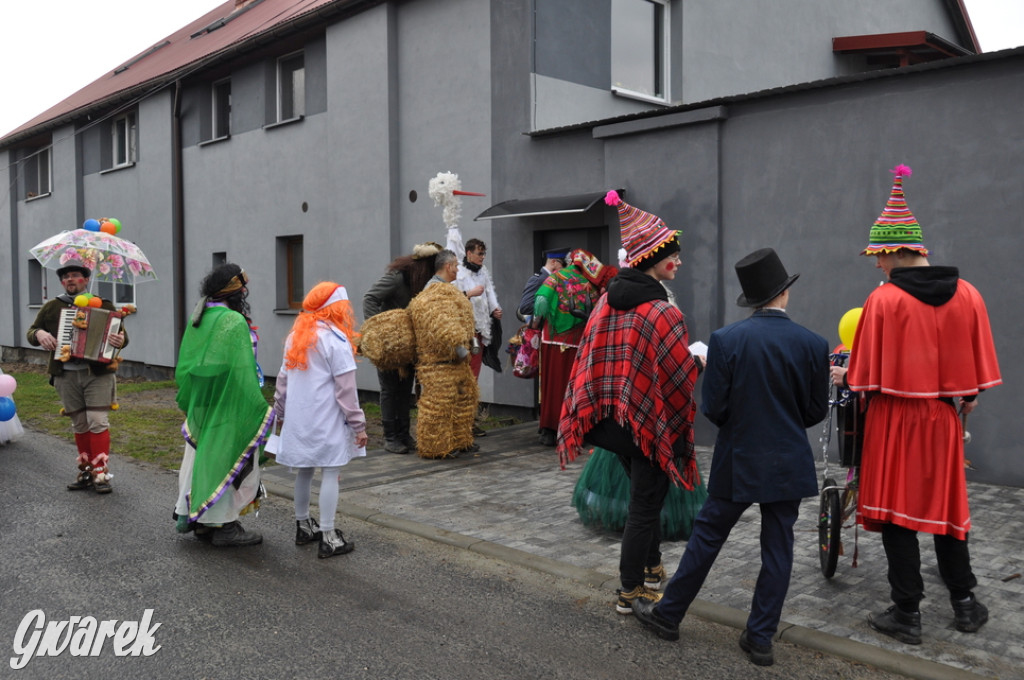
(123, 134)
(290, 287)
(118, 293)
(37, 173)
(219, 259)
(291, 87)
(640, 49)
(221, 107)
(36, 283)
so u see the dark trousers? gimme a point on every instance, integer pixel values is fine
(648, 487)
(712, 526)
(903, 554)
(396, 399)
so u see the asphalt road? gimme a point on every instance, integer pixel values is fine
(397, 607)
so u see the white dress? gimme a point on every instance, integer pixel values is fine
(315, 433)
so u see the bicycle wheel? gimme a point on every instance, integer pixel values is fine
(830, 522)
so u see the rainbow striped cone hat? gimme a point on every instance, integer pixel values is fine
(643, 233)
(896, 227)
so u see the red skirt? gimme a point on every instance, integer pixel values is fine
(555, 368)
(912, 468)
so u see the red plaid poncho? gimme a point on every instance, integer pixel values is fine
(634, 366)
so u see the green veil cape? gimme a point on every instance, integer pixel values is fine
(227, 417)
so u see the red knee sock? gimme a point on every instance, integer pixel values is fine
(84, 442)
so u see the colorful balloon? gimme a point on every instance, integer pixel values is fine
(7, 409)
(848, 326)
(7, 385)
(91, 225)
(117, 223)
(82, 300)
(108, 228)
(96, 302)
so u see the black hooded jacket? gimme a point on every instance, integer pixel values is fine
(631, 288)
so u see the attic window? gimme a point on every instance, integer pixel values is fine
(124, 67)
(241, 7)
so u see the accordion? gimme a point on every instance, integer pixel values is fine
(83, 334)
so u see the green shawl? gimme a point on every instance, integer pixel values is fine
(226, 415)
(565, 300)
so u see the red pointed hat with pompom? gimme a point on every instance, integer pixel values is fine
(643, 233)
(896, 227)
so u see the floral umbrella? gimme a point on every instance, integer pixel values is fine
(111, 258)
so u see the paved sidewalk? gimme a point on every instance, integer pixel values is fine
(511, 501)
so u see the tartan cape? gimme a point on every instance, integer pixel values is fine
(635, 366)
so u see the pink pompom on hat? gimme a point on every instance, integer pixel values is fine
(896, 227)
(643, 233)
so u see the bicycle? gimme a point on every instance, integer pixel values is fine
(839, 502)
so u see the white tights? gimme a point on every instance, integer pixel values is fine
(328, 495)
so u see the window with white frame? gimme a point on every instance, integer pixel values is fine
(291, 87)
(221, 108)
(118, 293)
(36, 283)
(640, 49)
(37, 172)
(123, 137)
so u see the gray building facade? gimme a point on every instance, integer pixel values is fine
(519, 98)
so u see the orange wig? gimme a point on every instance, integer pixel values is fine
(327, 302)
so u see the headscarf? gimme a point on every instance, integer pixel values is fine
(326, 302)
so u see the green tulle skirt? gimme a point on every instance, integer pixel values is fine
(601, 498)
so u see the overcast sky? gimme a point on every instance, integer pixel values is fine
(50, 49)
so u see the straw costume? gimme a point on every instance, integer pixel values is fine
(442, 320)
(227, 417)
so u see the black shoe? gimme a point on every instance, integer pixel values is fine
(970, 615)
(204, 532)
(644, 612)
(547, 437)
(898, 624)
(333, 543)
(233, 535)
(410, 442)
(395, 446)
(759, 655)
(479, 431)
(84, 481)
(102, 487)
(307, 531)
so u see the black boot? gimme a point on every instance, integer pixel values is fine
(970, 615)
(233, 535)
(392, 444)
(84, 479)
(904, 626)
(403, 434)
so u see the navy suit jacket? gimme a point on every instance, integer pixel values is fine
(530, 291)
(766, 382)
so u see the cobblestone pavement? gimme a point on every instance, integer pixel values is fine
(513, 494)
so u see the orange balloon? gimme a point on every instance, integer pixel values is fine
(108, 228)
(96, 302)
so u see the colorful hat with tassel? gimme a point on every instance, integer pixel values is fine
(643, 234)
(896, 227)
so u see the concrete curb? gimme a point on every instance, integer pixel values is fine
(883, 659)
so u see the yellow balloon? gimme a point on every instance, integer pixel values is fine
(848, 326)
(81, 301)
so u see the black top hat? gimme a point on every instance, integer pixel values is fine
(762, 278)
(84, 271)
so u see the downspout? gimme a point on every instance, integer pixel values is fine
(177, 221)
(12, 205)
